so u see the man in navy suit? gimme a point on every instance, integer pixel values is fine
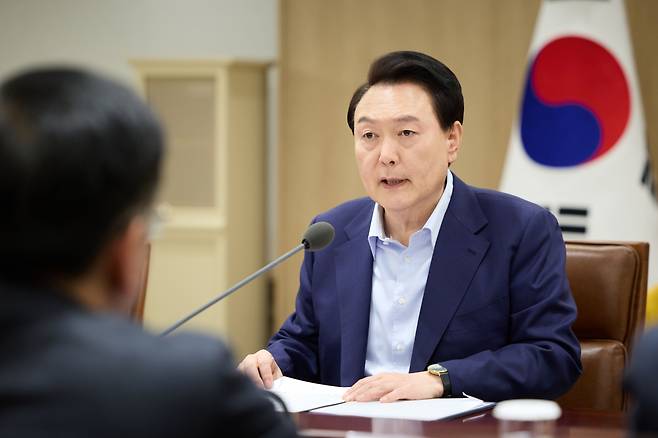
(431, 287)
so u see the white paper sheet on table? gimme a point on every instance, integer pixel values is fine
(300, 396)
(422, 410)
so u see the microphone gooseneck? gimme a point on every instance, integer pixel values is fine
(316, 237)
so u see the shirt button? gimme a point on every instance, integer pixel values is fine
(398, 347)
(402, 301)
(407, 259)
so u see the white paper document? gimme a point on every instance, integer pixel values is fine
(300, 396)
(422, 410)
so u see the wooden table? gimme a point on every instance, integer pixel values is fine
(571, 424)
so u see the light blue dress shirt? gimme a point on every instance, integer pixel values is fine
(399, 276)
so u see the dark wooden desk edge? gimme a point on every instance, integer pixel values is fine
(573, 423)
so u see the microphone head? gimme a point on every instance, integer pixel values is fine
(318, 236)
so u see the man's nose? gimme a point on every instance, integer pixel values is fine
(388, 154)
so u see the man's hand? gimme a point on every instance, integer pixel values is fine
(261, 368)
(388, 387)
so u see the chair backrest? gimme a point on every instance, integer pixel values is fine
(609, 284)
(137, 312)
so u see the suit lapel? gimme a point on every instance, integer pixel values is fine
(457, 256)
(354, 283)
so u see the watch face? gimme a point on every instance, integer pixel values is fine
(437, 368)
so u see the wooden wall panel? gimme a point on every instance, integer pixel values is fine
(325, 50)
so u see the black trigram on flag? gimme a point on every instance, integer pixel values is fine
(572, 220)
(648, 180)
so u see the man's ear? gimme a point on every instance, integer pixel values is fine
(454, 140)
(125, 261)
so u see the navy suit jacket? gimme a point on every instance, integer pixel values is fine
(68, 372)
(497, 308)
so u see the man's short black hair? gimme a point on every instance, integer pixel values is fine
(416, 68)
(80, 155)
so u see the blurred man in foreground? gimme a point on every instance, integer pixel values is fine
(642, 385)
(80, 159)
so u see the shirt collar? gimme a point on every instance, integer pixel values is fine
(433, 223)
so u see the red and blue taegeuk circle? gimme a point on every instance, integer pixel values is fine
(576, 103)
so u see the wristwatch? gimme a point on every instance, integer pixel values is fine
(437, 369)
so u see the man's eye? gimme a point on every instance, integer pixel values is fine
(369, 135)
(407, 133)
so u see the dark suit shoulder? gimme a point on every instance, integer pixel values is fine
(641, 383)
(180, 385)
(109, 336)
(509, 210)
(495, 214)
(180, 368)
(122, 358)
(505, 200)
(640, 380)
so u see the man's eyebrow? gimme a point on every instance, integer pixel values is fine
(406, 118)
(365, 119)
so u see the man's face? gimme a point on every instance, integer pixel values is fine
(401, 151)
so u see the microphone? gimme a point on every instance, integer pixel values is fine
(316, 237)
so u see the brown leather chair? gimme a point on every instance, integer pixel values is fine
(137, 312)
(609, 284)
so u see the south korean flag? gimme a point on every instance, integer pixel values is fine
(579, 145)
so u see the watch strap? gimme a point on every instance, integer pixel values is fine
(447, 386)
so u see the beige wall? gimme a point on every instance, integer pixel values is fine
(215, 114)
(104, 35)
(325, 49)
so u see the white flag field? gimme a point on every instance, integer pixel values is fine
(579, 145)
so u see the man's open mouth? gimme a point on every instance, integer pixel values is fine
(393, 182)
